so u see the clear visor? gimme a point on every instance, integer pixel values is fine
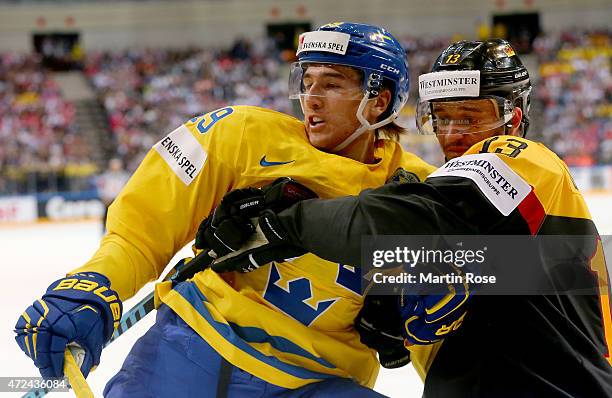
(329, 82)
(468, 116)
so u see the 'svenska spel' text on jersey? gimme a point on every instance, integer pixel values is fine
(182, 152)
(173, 149)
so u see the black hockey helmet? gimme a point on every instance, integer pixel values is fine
(501, 74)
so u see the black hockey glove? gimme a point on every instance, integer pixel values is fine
(231, 225)
(267, 244)
(379, 325)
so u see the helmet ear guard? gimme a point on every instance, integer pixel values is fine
(374, 84)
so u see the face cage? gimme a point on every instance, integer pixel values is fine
(428, 123)
(525, 95)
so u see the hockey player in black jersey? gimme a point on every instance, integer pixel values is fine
(476, 100)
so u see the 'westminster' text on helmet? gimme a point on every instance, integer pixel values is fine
(477, 69)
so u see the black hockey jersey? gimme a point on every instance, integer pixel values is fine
(554, 345)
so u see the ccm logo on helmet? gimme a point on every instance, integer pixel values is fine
(389, 68)
(520, 74)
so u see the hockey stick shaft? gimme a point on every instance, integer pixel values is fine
(183, 270)
(75, 377)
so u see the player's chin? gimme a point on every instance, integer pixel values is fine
(321, 141)
(454, 152)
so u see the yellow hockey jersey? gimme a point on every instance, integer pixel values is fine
(551, 204)
(288, 323)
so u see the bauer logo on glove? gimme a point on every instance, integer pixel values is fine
(79, 309)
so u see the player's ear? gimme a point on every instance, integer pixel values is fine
(515, 122)
(380, 104)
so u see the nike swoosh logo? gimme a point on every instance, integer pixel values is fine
(264, 163)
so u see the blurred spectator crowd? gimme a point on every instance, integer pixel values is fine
(38, 136)
(573, 98)
(148, 92)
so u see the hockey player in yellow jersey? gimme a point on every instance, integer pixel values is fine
(552, 339)
(278, 332)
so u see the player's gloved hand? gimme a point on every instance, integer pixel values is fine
(399, 318)
(267, 244)
(232, 223)
(380, 327)
(79, 309)
(428, 318)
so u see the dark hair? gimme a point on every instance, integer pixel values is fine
(391, 131)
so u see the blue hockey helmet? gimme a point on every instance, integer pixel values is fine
(370, 49)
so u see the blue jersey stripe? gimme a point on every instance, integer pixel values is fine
(257, 335)
(195, 297)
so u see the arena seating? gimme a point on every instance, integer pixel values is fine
(147, 92)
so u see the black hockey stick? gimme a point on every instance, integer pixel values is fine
(183, 270)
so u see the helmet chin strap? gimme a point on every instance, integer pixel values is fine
(364, 127)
